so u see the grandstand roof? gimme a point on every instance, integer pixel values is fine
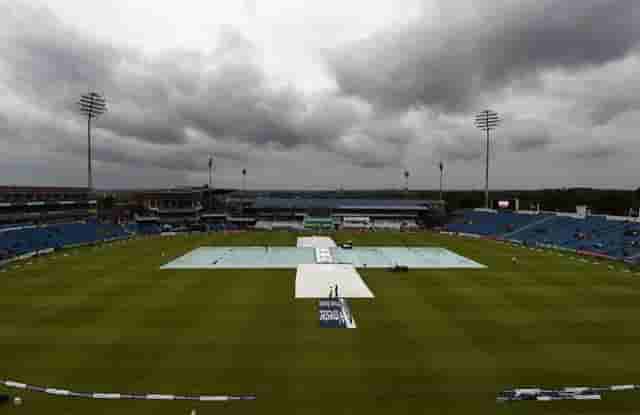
(27, 189)
(334, 203)
(318, 220)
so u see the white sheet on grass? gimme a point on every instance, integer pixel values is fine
(315, 280)
(315, 242)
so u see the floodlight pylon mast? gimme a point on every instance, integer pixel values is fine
(92, 105)
(210, 164)
(244, 180)
(486, 177)
(441, 166)
(210, 182)
(487, 120)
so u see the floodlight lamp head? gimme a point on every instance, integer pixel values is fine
(92, 105)
(487, 120)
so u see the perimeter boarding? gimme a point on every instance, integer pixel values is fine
(558, 394)
(66, 393)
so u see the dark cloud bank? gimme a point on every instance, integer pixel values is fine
(224, 97)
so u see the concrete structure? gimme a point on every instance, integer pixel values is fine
(30, 204)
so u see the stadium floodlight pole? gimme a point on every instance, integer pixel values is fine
(441, 166)
(210, 167)
(92, 105)
(210, 182)
(406, 180)
(244, 180)
(487, 120)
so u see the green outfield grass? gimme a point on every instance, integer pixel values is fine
(431, 342)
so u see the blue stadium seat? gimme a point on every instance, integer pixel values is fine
(595, 233)
(31, 239)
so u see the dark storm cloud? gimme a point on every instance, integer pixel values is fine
(158, 126)
(524, 135)
(600, 97)
(171, 109)
(452, 65)
(48, 62)
(528, 143)
(595, 152)
(224, 94)
(378, 143)
(237, 102)
(114, 151)
(235, 99)
(608, 102)
(609, 109)
(328, 115)
(369, 155)
(460, 149)
(5, 128)
(50, 65)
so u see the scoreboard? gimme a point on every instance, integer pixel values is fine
(505, 204)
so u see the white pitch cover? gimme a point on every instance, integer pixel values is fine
(315, 242)
(314, 281)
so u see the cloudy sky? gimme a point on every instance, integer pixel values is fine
(321, 94)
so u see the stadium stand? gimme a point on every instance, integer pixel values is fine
(387, 224)
(279, 225)
(612, 237)
(356, 222)
(144, 228)
(18, 241)
(319, 223)
(491, 223)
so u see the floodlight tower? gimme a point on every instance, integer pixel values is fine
(92, 105)
(406, 180)
(487, 120)
(244, 180)
(210, 164)
(210, 181)
(441, 166)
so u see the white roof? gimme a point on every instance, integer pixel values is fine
(315, 281)
(315, 242)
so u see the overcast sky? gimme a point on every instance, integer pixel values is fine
(321, 94)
